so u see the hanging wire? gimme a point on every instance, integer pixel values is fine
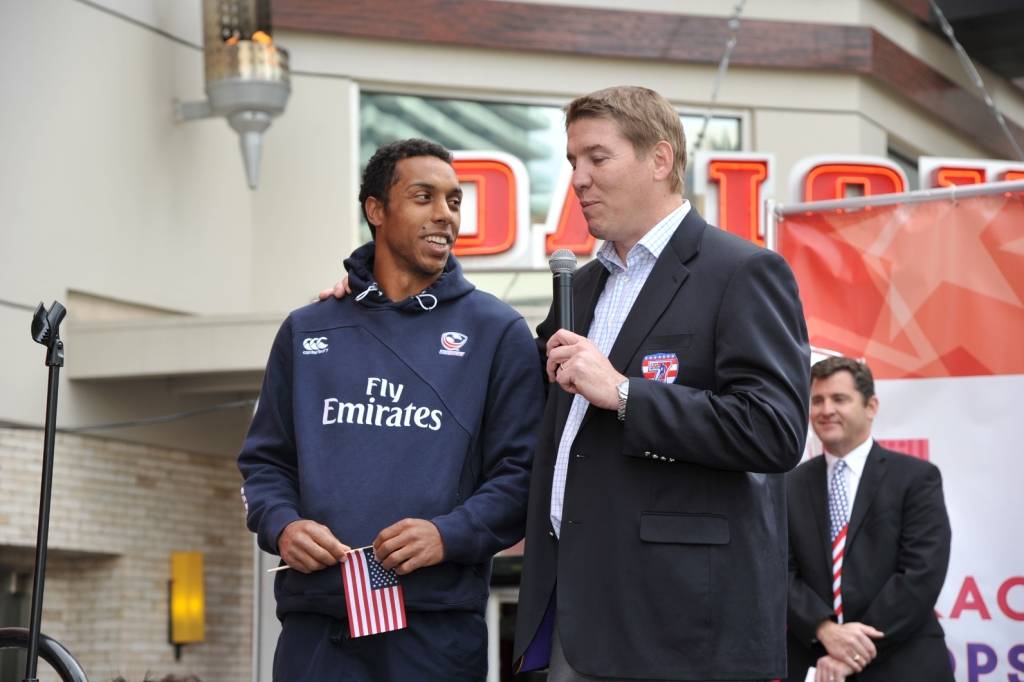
(164, 418)
(17, 306)
(975, 77)
(508, 289)
(145, 421)
(723, 66)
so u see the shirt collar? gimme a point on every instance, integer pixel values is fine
(855, 459)
(653, 242)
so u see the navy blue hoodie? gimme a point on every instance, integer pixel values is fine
(373, 411)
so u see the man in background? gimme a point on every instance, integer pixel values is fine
(869, 546)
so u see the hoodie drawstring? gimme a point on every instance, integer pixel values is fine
(366, 292)
(419, 299)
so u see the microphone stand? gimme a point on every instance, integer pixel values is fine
(46, 331)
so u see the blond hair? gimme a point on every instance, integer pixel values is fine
(644, 117)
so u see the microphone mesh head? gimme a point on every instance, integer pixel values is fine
(561, 261)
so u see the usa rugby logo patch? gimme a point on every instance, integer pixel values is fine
(663, 367)
(452, 343)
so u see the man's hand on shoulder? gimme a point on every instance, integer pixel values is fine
(308, 546)
(408, 545)
(339, 290)
(579, 367)
(849, 643)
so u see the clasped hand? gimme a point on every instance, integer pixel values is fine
(850, 648)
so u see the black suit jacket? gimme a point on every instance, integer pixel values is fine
(896, 555)
(675, 569)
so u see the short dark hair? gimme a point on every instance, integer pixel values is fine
(862, 379)
(379, 175)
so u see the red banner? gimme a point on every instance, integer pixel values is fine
(933, 289)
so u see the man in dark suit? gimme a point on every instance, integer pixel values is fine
(869, 546)
(656, 531)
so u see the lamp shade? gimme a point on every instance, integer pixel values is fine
(188, 599)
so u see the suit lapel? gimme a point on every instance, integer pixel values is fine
(661, 286)
(870, 479)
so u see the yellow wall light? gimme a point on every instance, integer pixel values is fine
(188, 599)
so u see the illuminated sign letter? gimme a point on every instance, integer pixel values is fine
(495, 209)
(940, 171)
(950, 176)
(566, 228)
(733, 185)
(822, 178)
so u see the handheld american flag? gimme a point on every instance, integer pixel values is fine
(373, 596)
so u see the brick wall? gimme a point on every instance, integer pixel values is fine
(118, 512)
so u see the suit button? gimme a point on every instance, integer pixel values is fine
(580, 455)
(647, 454)
(551, 533)
(671, 459)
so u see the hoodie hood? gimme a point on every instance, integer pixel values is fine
(449, 286)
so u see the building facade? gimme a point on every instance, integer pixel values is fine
(176, 275)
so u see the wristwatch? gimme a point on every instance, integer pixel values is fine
(623, 390)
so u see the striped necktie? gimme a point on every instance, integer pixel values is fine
(838, 516)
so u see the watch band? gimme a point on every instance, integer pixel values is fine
(623, 390)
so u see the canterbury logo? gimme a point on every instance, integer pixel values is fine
(314, 345)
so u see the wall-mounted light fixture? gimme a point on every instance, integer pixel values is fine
(246, 74)
(187, 600)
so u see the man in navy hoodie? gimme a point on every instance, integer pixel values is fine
(403, 417)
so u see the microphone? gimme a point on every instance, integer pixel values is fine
(563, 265)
